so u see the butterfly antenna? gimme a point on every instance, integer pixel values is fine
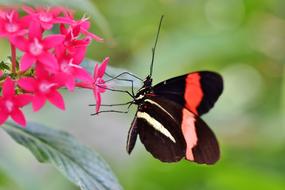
(153, 49)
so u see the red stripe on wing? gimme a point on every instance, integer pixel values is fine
(189, 132)
(193, 92)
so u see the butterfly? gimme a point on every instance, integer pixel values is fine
(168, 120)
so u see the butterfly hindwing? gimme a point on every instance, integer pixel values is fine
(202, 145)
(197, 91)
(132, 136)
(170, 132)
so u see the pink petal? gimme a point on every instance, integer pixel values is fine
(38, 102)
(60, 51)
(95, 37)
(85, 24)
(15, 16)
(28, 9)
(47, 26)
(56, 99)
(53, 40)
(81, 43)
(98, 101)
(3, 117)
(62, 29)
(1, 73)
(60, 78)
(95, 74)
(2, 32)
(103, 66)
(35, 30)
(8, 88)
(76, 30)
(25, 21)
(63, 20)
(79, 55)
(27, 61)
(56, 10)
(68, 38)
(20, 42)
(23, 99)
(18, 116)
(87, 85)
(70, 84)
(49, 60)
(41, 73)
(27, 84)
(83, 75)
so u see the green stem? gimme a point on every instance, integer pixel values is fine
(282, 109)
(13, 54)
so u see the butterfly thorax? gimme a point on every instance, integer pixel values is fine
(145, 89)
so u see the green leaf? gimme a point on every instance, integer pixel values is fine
(79, 164)
(4, 66)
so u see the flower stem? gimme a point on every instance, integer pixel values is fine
(13, 54)
(84, 85)
(283, 98)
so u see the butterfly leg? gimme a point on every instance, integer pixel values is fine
(115, 90)
(116, 111)
(120, 79)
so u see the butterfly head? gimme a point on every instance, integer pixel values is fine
(147, 82)
(145, 89)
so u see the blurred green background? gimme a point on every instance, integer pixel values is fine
(244, 40)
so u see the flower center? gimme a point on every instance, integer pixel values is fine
(99, 81)
(9, 105)
(65, 67)
(45, 17)
(100, 85)
(45, 87)
(36, 48)
(11, 27)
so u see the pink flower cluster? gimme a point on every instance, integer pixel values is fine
(48, 61)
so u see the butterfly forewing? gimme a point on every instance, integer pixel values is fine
(159, 130)
(197, 91)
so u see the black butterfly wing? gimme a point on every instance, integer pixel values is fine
(197, 91)
(132, 135)
(158, 131)
(170, 132)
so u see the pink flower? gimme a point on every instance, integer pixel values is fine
(72, 46)
(11, 24)
(36, 48)
(43, 87)
(83, 25)
(46, 16)
(10, 103)
(69, 72)
(98, 83)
